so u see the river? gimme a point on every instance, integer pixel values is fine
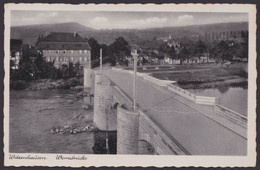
(34, 113)
(234, 98)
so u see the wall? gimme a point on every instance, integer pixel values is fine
(184, 93)
(127, 130)
(188, 95)
(103, 101)
(89, 78)
(163, 144)
(231, 115)
(151, 138)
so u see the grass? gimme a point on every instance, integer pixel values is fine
(214, 77)
(170, 67)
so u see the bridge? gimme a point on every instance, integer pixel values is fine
(168, 121)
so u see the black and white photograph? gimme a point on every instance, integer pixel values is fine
(125, 84)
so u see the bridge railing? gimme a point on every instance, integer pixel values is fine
(184, 93)
(231, 115)
(157, 81)
(162, 142)
(205, 100)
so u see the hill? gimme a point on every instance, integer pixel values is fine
(30, 33)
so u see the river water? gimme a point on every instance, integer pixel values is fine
(234, 98)
(34, 113)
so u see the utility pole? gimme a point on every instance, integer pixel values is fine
(107, 147)
(134, 81)
(101, 64)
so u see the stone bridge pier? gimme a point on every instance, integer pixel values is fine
(136, 132)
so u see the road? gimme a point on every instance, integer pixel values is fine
(196, 132)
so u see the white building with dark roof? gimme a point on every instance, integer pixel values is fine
(62, 48)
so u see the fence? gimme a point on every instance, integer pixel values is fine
(205, 100)
(197, 99)
(163, 143)
(157, 81)
(231, 115)
(184, 93)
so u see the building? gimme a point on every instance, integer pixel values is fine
(62, 48)
(15, 53)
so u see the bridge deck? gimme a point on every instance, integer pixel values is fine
(198, 133)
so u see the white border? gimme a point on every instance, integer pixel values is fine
(138, 160)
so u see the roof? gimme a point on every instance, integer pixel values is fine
(63, 41)
(62, 37)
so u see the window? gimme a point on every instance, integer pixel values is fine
(57, 51)
(48, 59)
(85, 51)
(80, 58)
(71, 51)
(80, 51)
(64, 51)
(57, 58)
(85, 58)
(71, 58)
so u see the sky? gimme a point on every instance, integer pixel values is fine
(123, 20)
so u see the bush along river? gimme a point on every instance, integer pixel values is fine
(55, 121)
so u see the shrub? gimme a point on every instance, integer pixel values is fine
(18, 85)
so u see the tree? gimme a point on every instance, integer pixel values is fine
(95, 49)
(77, 69)
(168, 51)
(118, 50)
(164, 48)
(105, 50)
(183, 54)
(244, 45)
(199, 49)
(65, 71)
(222, 51)
(157, 55)
(172, 53)
(71, 71)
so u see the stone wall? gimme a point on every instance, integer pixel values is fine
(88, 78)
(104, 116)
(127, 131)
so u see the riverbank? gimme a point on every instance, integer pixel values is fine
(55, 122)
(47, 84)
(232, 76)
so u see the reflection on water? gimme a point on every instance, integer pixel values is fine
(100, 142)
(34, 113)
(223, 89)
(234, 98)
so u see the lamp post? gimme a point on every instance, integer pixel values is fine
(134, 81)
(100, 71)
